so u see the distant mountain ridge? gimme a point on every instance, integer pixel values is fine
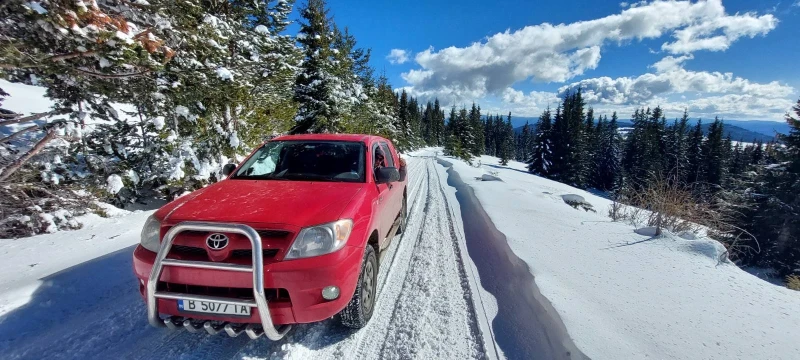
(739, 130)
(737, 133)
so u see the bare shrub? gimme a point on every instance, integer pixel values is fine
(31, 208)
(667, 204)
(616, 211)
(793, 282)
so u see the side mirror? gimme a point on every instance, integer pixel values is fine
(228, 169)
(386, 175)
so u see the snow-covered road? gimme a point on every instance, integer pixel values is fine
(425, 307)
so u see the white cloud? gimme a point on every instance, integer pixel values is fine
(711, 93)
(558, 53)
(540, 99)
(623, 4)
(398, 56)
(670, 78)
(717, 34)
(521, 104)
(670, 63)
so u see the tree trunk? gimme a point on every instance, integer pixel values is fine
(18, 133)
(11, 169)
(27, 118)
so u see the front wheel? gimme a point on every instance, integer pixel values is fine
(359, 310)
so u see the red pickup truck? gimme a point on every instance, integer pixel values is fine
(291, 236)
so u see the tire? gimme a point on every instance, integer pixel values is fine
(403, 216)
(359, 310)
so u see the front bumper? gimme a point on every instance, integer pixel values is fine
(302, 279)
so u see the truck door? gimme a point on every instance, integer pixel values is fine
(395, 189)
(384, 218)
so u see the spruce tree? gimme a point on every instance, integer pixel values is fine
(438, 126)
(488, 135)
(541, 154)
(676, 150)
(314, 84)
(508, 143)
(714, 156)
(606, 165)
(774, 221)
(524, 147)
(427, 124)
(567, 141)
(476, 131)
(694, 154)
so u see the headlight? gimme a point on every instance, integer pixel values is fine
(321, 239)
(150, 234)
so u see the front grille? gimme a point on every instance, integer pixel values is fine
(248, 253)
(188, 250)
(235, 254)
(273, 234)
(228, 292)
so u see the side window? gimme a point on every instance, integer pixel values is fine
(379, 157)
(389, 157)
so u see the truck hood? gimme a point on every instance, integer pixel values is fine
(298, 203)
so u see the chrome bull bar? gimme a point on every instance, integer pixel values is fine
(257, 269)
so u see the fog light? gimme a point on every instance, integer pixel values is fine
(330, 292)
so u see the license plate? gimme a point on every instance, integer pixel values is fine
(211, 307)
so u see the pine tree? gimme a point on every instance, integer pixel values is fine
(774, 221)
(567, 141)
(588, 149)
(610, 156)
(498, 134)
(403, 124)
(458, 137)
(676, 149)
(714, 156)
(314, 85)
(427, 124)
(541, 156)
(694, 154)
(476, 131)
(489, 137)
(525, 144)
(507, 143)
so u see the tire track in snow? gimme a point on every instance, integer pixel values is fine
(374, 333)
(441, 307)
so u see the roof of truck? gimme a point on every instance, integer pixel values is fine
(330, 137)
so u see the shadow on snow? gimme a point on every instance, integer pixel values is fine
(94, 310)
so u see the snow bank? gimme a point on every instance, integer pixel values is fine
(27, 260)
(25, 99)
(624, 295)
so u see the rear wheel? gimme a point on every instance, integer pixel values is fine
(359, 310)
(403, 215)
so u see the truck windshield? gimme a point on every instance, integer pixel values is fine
(306, 161)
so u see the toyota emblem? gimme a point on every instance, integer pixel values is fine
(217, 241)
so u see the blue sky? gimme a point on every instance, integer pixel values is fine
(673, 54)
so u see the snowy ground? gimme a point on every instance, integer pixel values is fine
(621, 295)
(72, 295)
(628, 296)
